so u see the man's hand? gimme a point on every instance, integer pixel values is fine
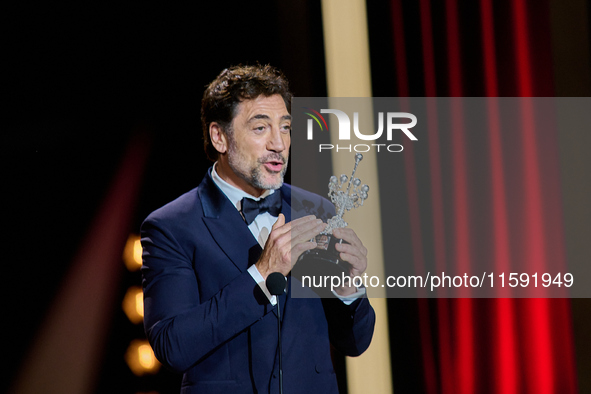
(354, 253)
(287, 242)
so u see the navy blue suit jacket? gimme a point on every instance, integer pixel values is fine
(206, 317)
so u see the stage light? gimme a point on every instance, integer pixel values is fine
(140, 358)
(133, 304)
(132, 254)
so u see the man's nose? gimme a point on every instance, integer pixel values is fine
(276, 141)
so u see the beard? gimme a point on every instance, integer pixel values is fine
(255, 174)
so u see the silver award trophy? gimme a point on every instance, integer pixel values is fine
(346, 193)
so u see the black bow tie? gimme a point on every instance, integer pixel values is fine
(251, 208)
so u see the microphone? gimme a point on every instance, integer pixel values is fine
(276, 284)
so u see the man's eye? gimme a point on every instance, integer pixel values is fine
(260, 128)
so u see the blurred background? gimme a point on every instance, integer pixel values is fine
(104, 127)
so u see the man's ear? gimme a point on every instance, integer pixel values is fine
(219, 139)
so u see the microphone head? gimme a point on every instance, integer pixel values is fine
(276, 283)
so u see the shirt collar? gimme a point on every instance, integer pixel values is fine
(234, 194)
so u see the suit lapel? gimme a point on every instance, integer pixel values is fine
(286, 202)
(227, 227)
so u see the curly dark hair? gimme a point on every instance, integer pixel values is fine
(232, 86)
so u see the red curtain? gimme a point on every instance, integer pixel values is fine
(487, 345)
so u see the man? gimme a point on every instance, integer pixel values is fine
(208, 313)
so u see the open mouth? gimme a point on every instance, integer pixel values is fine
(274, 165)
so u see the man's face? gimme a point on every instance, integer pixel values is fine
(258, 145)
